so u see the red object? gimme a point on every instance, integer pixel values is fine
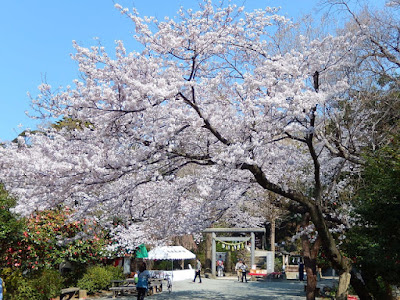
(116, 262)
(257, 274)
(352, 297)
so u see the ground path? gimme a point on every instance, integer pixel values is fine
(230, 288)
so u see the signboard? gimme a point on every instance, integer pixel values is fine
(270, 262)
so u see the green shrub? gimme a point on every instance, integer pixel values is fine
(48, 283)
(73, 275)
(25, 291)
(17, 287)
(96, 278)
(11, 279)
(162, 265)
(43, 286)
(117, 272)
(278, 264)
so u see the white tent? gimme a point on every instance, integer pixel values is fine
(170, 253)
(173, 253)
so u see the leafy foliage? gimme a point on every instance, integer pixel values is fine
(10, 226)
(70, 124)
(116, 272)
(25, 291)
(50, 239)
(374, 243)
(40, 286)
(99, 278)
(48, 283)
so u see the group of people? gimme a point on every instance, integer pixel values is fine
(144, 275)
(241, 270)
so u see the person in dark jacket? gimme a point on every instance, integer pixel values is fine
(143, 282)
(243, 267)
(301, 271)
(198, 270)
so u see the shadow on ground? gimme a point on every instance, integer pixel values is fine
(233, 290)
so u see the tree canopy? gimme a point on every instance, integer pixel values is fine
(212, 105)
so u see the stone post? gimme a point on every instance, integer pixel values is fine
(213, 255)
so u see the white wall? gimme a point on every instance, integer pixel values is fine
(176, 275)
(179, 275)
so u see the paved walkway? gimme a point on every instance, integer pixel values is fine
(230, 288)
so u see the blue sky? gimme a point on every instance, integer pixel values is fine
(36, 42)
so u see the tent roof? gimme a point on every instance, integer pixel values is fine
(170, 252)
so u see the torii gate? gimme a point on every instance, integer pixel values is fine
(214, 231)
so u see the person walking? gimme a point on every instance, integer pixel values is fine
(198, 270)
(301, 271)
(243, 267)
(142, 284)
(238, 269)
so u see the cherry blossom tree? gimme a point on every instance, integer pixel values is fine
(211, 89)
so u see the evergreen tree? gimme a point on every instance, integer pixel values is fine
(374, 244)
(10, 226)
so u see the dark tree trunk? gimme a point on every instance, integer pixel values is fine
(359, 286)
(207, 263)
(339, 262)
(376, 289)
(310, 253)
(272, 236)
